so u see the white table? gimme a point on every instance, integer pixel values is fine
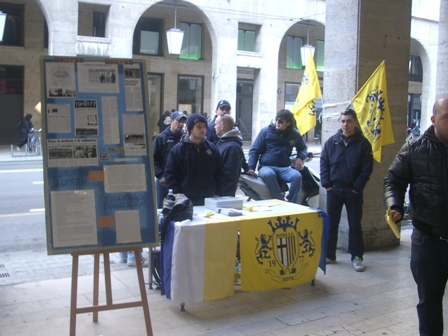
(280, 246)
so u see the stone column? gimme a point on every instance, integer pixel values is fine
(442, 55)
(359, 35)
(62, 18)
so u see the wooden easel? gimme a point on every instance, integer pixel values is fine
(109, 304)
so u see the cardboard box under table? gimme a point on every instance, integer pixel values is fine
(281, 245)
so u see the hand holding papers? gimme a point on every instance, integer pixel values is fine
(395, 227)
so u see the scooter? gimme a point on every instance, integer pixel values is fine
(413, 132)
(256, 189)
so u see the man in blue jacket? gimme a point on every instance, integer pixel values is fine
(194, 166)
(272, 150)
(346, 163)
(230, 147)
(162, 145)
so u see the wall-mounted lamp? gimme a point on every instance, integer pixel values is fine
(2, 24)
(174, 38)
(307, 49)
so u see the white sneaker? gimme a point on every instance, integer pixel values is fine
(357, 265)
(131, 263)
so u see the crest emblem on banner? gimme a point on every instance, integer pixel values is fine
(375, 104)
(285, 249)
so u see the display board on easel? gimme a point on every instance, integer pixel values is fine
(98, 169)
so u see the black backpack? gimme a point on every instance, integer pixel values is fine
(176, 207)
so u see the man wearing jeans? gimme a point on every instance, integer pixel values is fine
(346, 163)
(272, 150)
(422, 163)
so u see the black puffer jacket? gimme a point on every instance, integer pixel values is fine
(422, 163)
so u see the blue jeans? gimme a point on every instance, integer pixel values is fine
(128, 255)
(429, 266)
(272, 175)
(161, 192)
(337, 197)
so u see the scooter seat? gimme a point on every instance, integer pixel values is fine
(258, 185)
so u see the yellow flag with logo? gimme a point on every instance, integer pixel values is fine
(304, 108)
(280, 251)
(371, 105)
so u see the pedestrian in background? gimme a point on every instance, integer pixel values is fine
(222, 108)
(164, 121)
(25, 127)
(346, 163)
(422, 163)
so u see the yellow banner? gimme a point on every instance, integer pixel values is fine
(220, 244)
(280, 251)
(371, 105)
(304, 108)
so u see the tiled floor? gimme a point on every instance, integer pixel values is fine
(379, 301)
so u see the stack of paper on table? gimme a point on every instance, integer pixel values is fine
(215, 203)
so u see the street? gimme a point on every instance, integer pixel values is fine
(22, 209)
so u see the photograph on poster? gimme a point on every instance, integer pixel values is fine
(134, 133)
(74, 218)
(85, 111)
(60, 80)
(120, 178)
(72, 152)
(58, 118)
(127, 225)
(110, 124)
(97, 77)
(132, 85)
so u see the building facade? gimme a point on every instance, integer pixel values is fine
(247, 52)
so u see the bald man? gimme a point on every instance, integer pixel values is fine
(422, 163)
(230, 147)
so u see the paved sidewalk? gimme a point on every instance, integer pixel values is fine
(12, 154)
(379, 301)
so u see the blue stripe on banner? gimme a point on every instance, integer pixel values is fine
(325, 233)
(166, 255)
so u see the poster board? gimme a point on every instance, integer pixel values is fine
(97, 155)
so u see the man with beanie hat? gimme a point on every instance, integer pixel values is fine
(162, 145)
(222, 108)
(194, 166)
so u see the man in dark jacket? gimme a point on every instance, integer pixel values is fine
(230, 147)
(164, 121)
(222, 108)
(161, 147)
(422, 163)
(25, 128)
(272, 150)
(194, 166)
(346, 164)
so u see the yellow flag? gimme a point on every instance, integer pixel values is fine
(371, 105)
(304, 109)
(280, 251)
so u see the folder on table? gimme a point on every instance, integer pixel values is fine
(395, 227)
